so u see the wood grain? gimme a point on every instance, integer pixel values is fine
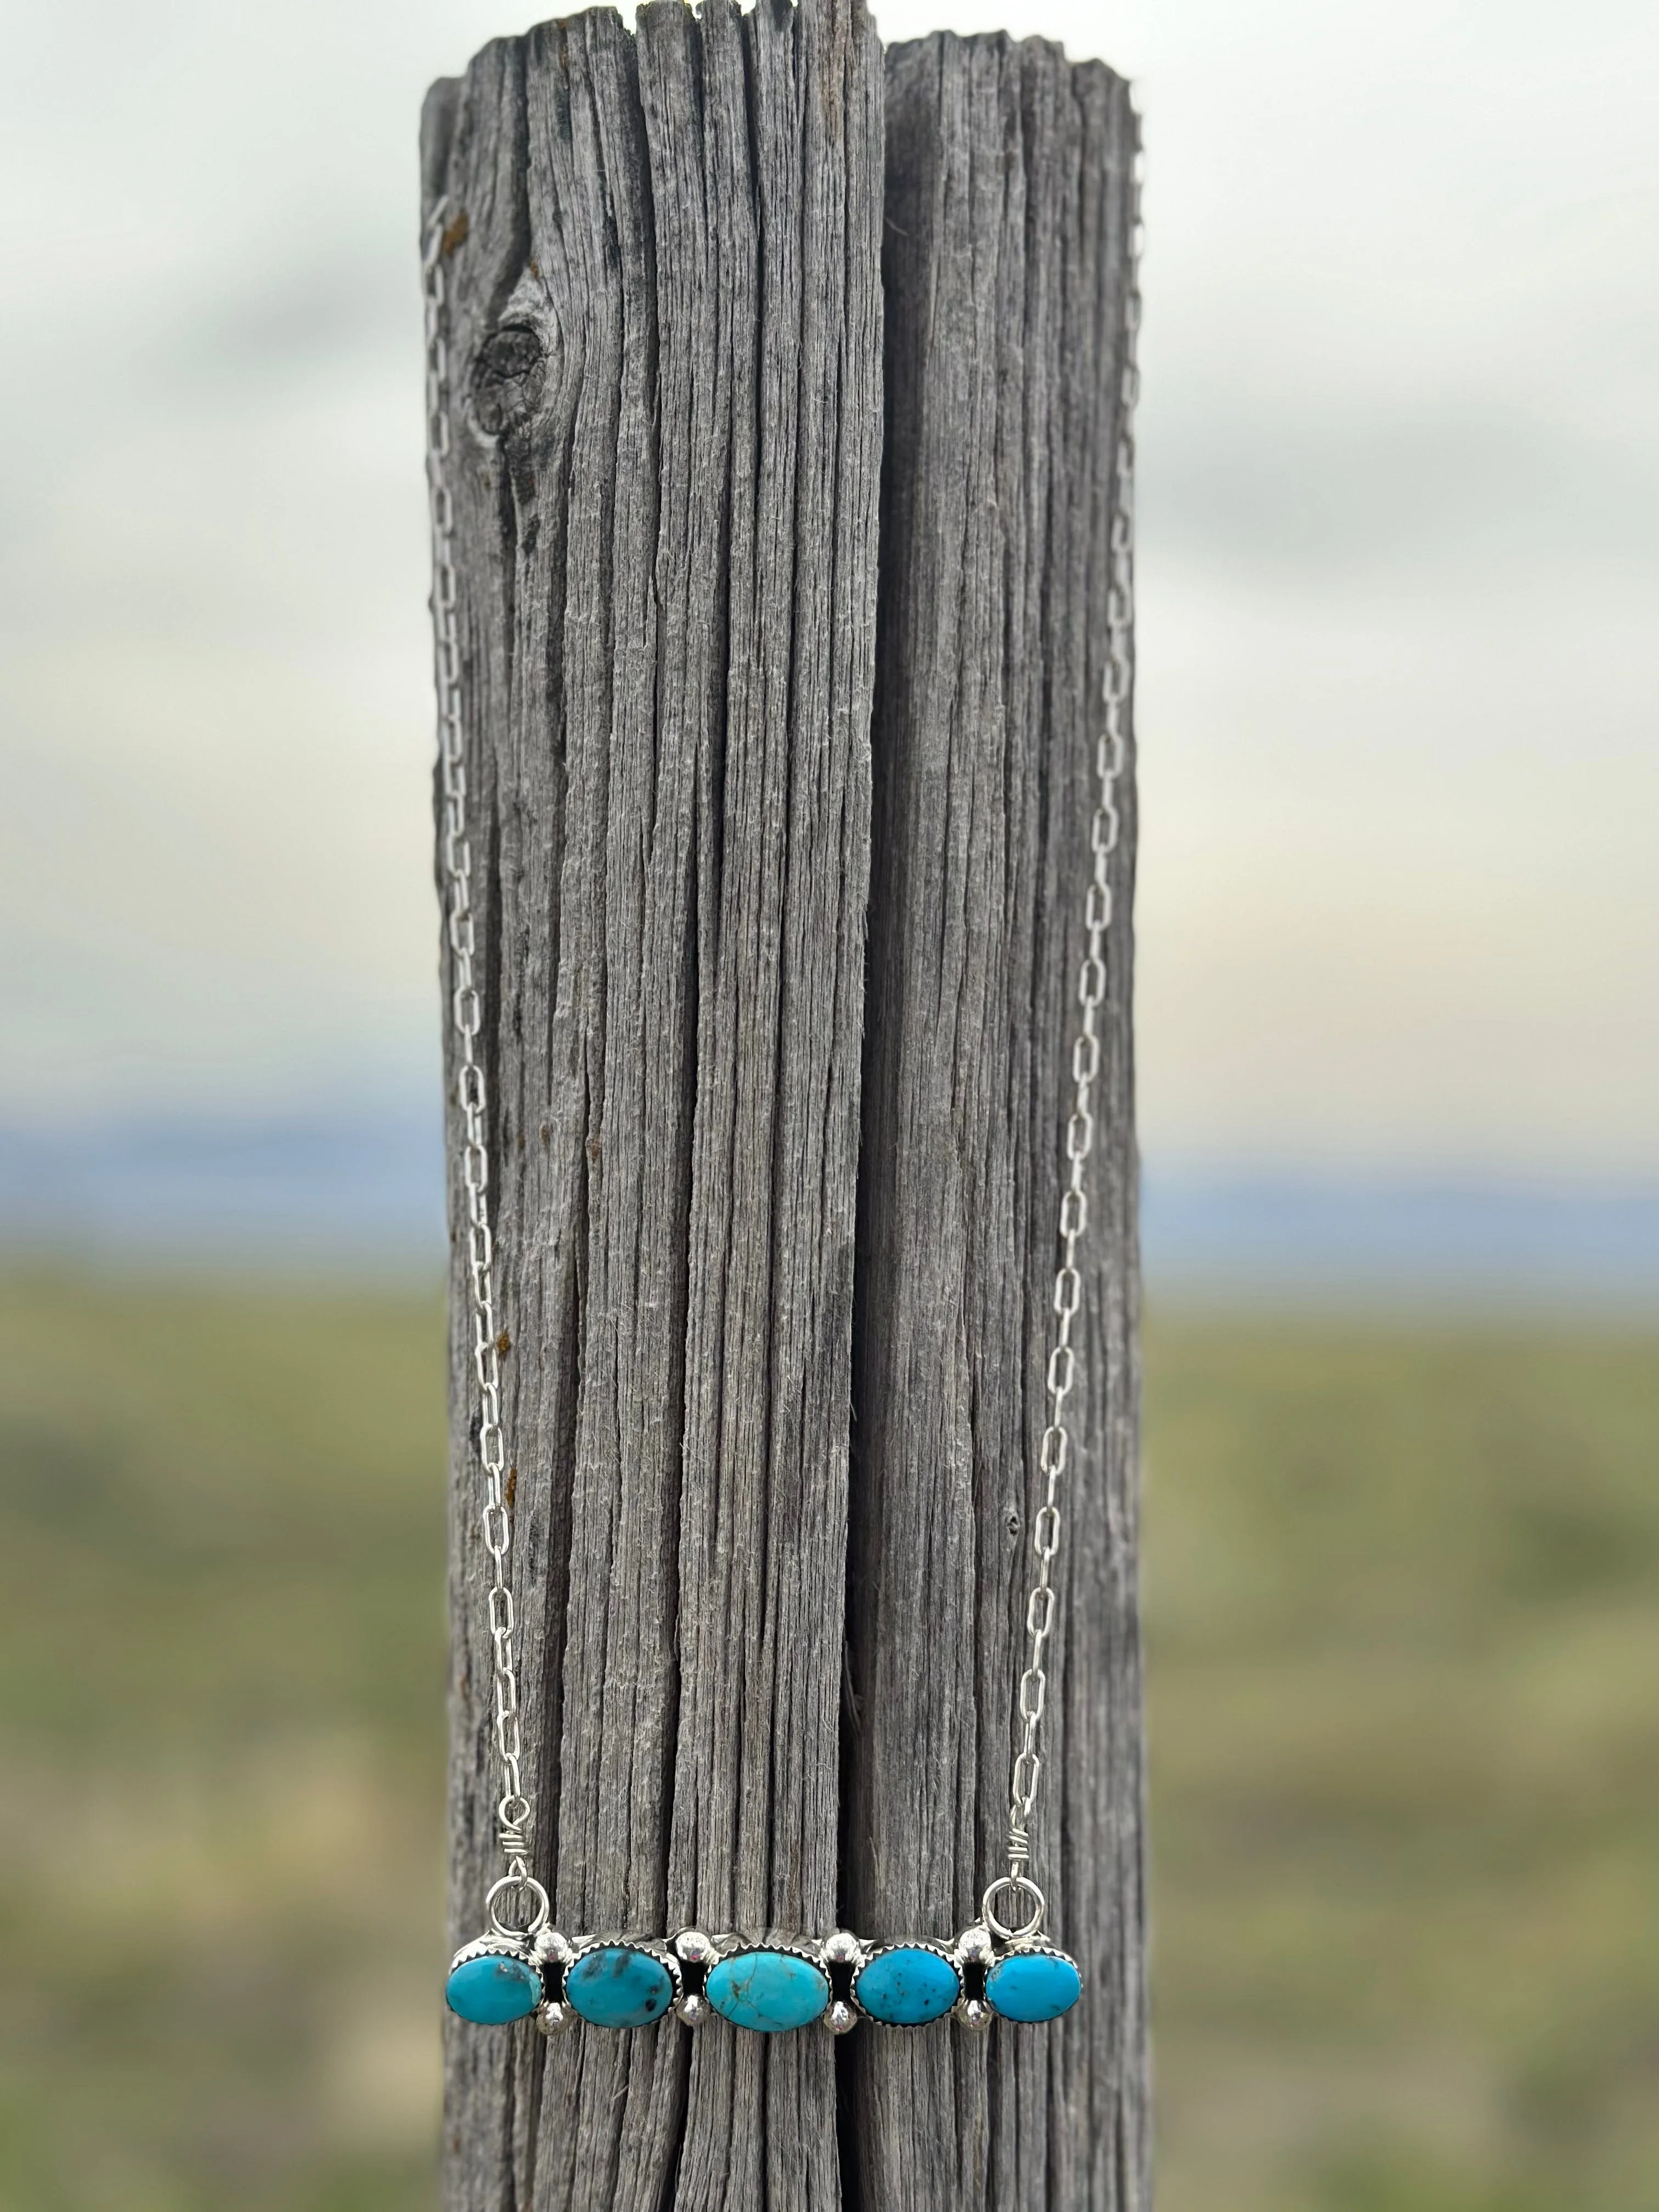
(1006, 225)
(708, 1127)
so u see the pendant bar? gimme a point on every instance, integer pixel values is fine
(768, 1984)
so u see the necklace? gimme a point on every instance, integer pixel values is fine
(1004, 1965)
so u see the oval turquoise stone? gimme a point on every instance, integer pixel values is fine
(770, 1990)
(907, 1985)
(1033, 1985)
(492, 1989)
(616, 1986)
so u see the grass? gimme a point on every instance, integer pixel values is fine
(1403, 1593)
(221, 1675)
(1403, 1604)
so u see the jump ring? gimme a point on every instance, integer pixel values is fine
(528, 1883)
(1022, 1886)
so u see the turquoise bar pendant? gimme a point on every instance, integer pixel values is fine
(768, 1985)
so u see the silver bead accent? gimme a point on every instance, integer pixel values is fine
(692, 2008)
(694, 1948)
(974, 1947)
(840, 2017)
(552, 2019)
(974, 2012)
(843, 1949)
(551, 1944)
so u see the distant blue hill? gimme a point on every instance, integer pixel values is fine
(1400, 1239)
(364, 1193)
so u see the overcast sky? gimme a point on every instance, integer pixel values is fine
(1399, 697)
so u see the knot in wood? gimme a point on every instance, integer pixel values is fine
(508, 373)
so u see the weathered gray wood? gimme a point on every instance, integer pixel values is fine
(667, 322)
(1007, 223)
(667, 328)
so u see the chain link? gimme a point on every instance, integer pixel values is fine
(513, 1808)
(471, 1095)
(1060, 1376)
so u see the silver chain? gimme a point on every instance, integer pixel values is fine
(513, 1808)
(1103, 830)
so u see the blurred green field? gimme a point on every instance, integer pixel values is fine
(1403, 1597)
(1403, 1601)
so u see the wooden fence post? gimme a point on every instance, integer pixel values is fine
(664, 256)
(1009, 175)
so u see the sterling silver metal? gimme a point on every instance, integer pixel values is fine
(1060, 1376)
(1017, 1884)
(495, 1946)
(996, 1934)
(950, 1953)
(513, 1809)
(691, 1954)
(523, 1885)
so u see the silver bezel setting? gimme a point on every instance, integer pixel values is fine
(494, 1947)
(1035, 1947)
(497, 1947)
(874, 1951)
(789, 1947)
(794, 1946)
(1038, 1946)
(652, 1947)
